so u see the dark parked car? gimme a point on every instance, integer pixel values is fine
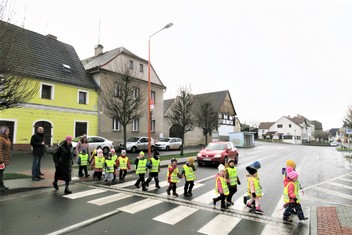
(216, 153)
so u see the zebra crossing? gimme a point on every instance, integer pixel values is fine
(223, 222)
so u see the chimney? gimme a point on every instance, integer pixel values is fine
(98, 50)
(51, 36)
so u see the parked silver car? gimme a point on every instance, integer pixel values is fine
(135, 144)
(168, 143)
(93, 143)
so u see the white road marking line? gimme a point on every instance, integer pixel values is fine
(84, 223)
(220, 225)
(340, 185)
(344, 179)
(175, 215)
(206, 197)
(335, 193)
(139, 206)
(85, 193)
(324, 182)
(109, 199)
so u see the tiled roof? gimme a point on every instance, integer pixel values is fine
(42, 57)
(265, 125)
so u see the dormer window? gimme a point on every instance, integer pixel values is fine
(66, 68)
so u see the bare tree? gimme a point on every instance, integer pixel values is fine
(122, 98)
(180, 113)
(15, 89)
(207, 119)
(347, 122)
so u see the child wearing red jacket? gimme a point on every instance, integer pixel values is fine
(291, 196)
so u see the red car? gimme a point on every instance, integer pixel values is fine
(216, 153)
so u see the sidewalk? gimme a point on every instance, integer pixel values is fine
(324, 220)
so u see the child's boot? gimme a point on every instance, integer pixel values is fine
(258, 209)
(144, 188)
(157, 183)
(287, 219)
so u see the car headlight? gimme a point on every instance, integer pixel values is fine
(218, 155)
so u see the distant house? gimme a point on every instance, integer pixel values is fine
(66, 101)
(288, 129)
(110, 65)
(223, 105)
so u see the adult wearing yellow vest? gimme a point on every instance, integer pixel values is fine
(291, 196)
(141, 169)
(232, 179)
(221, 187)
(172, 177)
(154, 168)
(188, 171)
(254, 190)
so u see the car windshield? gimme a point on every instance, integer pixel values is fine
(216, 146)
(133, 139)
(164, 140)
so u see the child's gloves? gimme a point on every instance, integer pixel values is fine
(254, 195)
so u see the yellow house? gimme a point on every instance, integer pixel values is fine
(66, 100)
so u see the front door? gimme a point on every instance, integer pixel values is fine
(80, 128)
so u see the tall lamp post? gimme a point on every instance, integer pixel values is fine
(149, 89)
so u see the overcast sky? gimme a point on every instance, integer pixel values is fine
(277, 58)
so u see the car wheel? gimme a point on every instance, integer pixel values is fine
(106, 150)
(133, 149)
(167, 148)
(236, 159)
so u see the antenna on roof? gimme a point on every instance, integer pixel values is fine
(99, 33)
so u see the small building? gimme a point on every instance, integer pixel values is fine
(242, 139)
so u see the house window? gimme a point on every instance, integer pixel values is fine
(82, 97)
(136, 93)
(46, 92)
(141, 69)
(152, 96)
(130, 64)
(153, 126)
(116, 90)
(279, 125)
(135, 124)
(116, 125)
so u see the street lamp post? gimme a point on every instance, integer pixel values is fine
(149, 88)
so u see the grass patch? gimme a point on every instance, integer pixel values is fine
(14, 176)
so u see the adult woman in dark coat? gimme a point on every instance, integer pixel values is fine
(63, 163)
(5, 154)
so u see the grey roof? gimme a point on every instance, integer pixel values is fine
(318, 126)
(42, 57)
(216, 98)
(265, 125)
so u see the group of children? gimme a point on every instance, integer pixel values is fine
(111, 164)
(226, 180)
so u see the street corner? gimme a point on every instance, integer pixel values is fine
(334, 220)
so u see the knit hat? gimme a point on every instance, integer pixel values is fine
(123, 152)
(84, 151)
(141, 153)
(255, 165)
(190, 160)
(69, 138)
(290, 173)
(291, 163)
(251, 170)
(221, 167)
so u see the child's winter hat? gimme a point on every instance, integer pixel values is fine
(84, 151)
(221, 167)
(123, 152)
(256, 165)
(190, 160)
(290, 173)
(251, 170)
(231, 160)
(141, 153)
(100, 152)
(291, 163)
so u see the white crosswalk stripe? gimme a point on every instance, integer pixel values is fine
(85, 193)
(109, 199)
(175, 215)
(334, 192)
(220, 225)
(344, 179)
(340, 185)
(139, 206)
(206, 197)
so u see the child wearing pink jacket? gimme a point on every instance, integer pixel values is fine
(221, 187)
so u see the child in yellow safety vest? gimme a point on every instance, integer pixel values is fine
(114, 158)
(141, 169)
(233, 180)
(254, 190)
(98, 164)
(82, 161)
(188, 170)
(221, 187)
(109, 169)
(172, 177)
(256, 165)
(291, 196)
(123, 163)
(154, 168)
